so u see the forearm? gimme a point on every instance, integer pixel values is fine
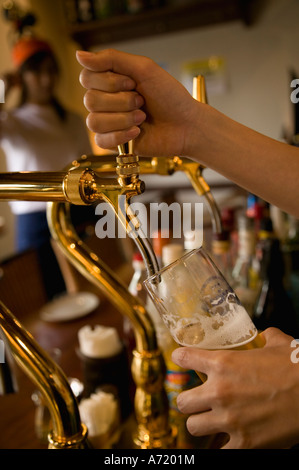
(258, 163)
(173, 123)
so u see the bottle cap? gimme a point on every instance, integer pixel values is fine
(137, 256)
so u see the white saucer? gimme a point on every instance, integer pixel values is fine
(69, 307)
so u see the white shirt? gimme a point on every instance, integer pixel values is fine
(34, 138)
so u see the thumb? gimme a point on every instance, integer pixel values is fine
(113, 60)
(192, 358)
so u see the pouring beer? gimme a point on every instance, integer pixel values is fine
(199, 307)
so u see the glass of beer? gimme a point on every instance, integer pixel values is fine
(199, 307)
(201, 310)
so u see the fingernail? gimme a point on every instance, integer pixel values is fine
(84, 54)
(139, 116)
(179, 400)
(139, 101)
(176, 355)
(133, 133)
(129, 84)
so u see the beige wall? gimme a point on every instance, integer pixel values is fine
(258, 60)
(52, 26)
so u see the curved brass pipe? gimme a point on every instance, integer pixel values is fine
(93, 268)
(68, 432)
(148, 368)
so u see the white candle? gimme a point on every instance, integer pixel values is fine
(99, 342)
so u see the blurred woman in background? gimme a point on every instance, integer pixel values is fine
(40, 134)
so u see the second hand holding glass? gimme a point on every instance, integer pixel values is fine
(199, 307)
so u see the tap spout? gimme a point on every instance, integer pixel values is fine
(68, 432)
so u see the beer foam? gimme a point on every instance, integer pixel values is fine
(216, 331)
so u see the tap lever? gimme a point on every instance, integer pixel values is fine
(199, 89)
(126, 149)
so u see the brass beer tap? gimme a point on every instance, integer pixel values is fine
(82, 185)
(148, 367)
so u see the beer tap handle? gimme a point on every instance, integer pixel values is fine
(199, 89)
(126, 149)
(127, 161)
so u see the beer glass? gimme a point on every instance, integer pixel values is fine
(199, 307)
(201, 310)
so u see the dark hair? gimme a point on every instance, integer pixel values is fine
(32, 64)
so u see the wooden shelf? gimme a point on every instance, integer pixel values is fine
(164, 20)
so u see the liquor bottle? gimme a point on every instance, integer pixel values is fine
(280, 222)
(228, 220)
(170, 253)
(221, 254)
(107, 8)
(177, 379)
(137, 289)
(140, 274)
(290, 248)
(274, 306)
(85, 10)
(160, 238)
(257, 209)
(135, 6)
(70, 9)
(245, 273)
